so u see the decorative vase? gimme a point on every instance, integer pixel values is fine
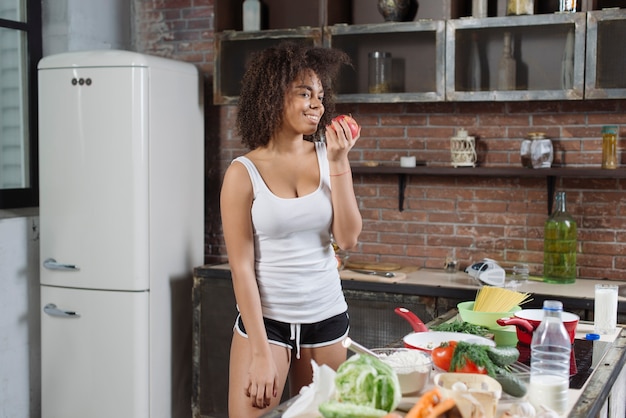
(251, 15)
(398, 10)
(567, 63)
(474, 66)
(506, 66)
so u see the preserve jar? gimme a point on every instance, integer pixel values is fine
(537, 151)
(379, 72)
(520, 7)
(609, 147)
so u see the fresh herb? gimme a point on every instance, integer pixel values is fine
(468, 356)
(461, 326)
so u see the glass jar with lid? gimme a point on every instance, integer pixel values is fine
(379, 72)
(520, 7)
(609, 147)
(537, 151)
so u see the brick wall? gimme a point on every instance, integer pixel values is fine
(463, 216)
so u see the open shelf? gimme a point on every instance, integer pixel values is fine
(550, 174)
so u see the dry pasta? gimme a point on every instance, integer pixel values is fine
(498, 299)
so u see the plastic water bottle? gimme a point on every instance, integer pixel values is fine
(550, 360)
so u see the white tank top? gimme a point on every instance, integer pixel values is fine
(296, 269)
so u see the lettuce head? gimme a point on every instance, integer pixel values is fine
(366, 380)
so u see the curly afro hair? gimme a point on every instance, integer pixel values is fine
(265, 83)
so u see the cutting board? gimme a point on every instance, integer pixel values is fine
(400, 275)
(363, 265)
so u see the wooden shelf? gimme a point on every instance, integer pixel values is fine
(550, 174)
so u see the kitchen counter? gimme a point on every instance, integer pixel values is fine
(371, 302)
(601, 395)
(459, 285)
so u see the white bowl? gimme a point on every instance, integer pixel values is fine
(412, 367)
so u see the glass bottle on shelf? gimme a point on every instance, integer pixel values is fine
(474, 66)
(251, 15)
(559, 245)
(506, 66)
(567, 63)
(609, 147)
(479, 8)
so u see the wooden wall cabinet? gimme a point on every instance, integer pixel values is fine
(606, 57)
(417, 54)
(544, 47)
(233, 50)
(558, 56)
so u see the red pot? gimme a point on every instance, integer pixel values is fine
(527, 321)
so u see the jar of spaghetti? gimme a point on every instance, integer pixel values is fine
(609, 147)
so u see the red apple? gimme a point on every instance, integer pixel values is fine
(354, 127)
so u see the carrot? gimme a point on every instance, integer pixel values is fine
(424, 404)
(430, 405)
(392, 415)
(441, 407)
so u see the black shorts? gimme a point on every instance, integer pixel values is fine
(319, 334)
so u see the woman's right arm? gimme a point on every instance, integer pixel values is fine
(235, 206)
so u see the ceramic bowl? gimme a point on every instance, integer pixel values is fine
(413, 367)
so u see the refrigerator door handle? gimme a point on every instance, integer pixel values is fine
(51, 264)
(52, 310)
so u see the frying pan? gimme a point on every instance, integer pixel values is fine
(425, 340)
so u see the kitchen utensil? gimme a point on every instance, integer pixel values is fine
(488, 272)
(526, 322)
(355, 347)
(376, 273)
(425, 340)
(416, 323)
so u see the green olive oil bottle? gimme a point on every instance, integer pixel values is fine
(559, 245)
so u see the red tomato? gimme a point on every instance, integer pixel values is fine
(470, 367)
(442, 355)
(354, 127)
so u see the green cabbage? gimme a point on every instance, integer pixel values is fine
(367, 381)
(336, 409)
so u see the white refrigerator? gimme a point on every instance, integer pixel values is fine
(121, 159)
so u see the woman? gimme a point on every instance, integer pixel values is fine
(280, 205)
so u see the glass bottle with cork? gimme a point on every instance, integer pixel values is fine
(559, 245)
(609, 147)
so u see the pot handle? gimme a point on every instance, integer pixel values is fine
(416, 323)
(520, 323)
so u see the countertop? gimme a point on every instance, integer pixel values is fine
(460, 285)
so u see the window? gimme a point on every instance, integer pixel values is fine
(20, 51)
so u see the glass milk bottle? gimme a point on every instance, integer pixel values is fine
(559, 245)
(550, 352)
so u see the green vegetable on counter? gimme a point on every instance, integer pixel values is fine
(503, 356)
(366, 381)
(336, 409)
(492, 360)
(510, 383)
(461, 326)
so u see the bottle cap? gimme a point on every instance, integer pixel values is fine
(592, 337)
(609, 129)
(552, 305)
